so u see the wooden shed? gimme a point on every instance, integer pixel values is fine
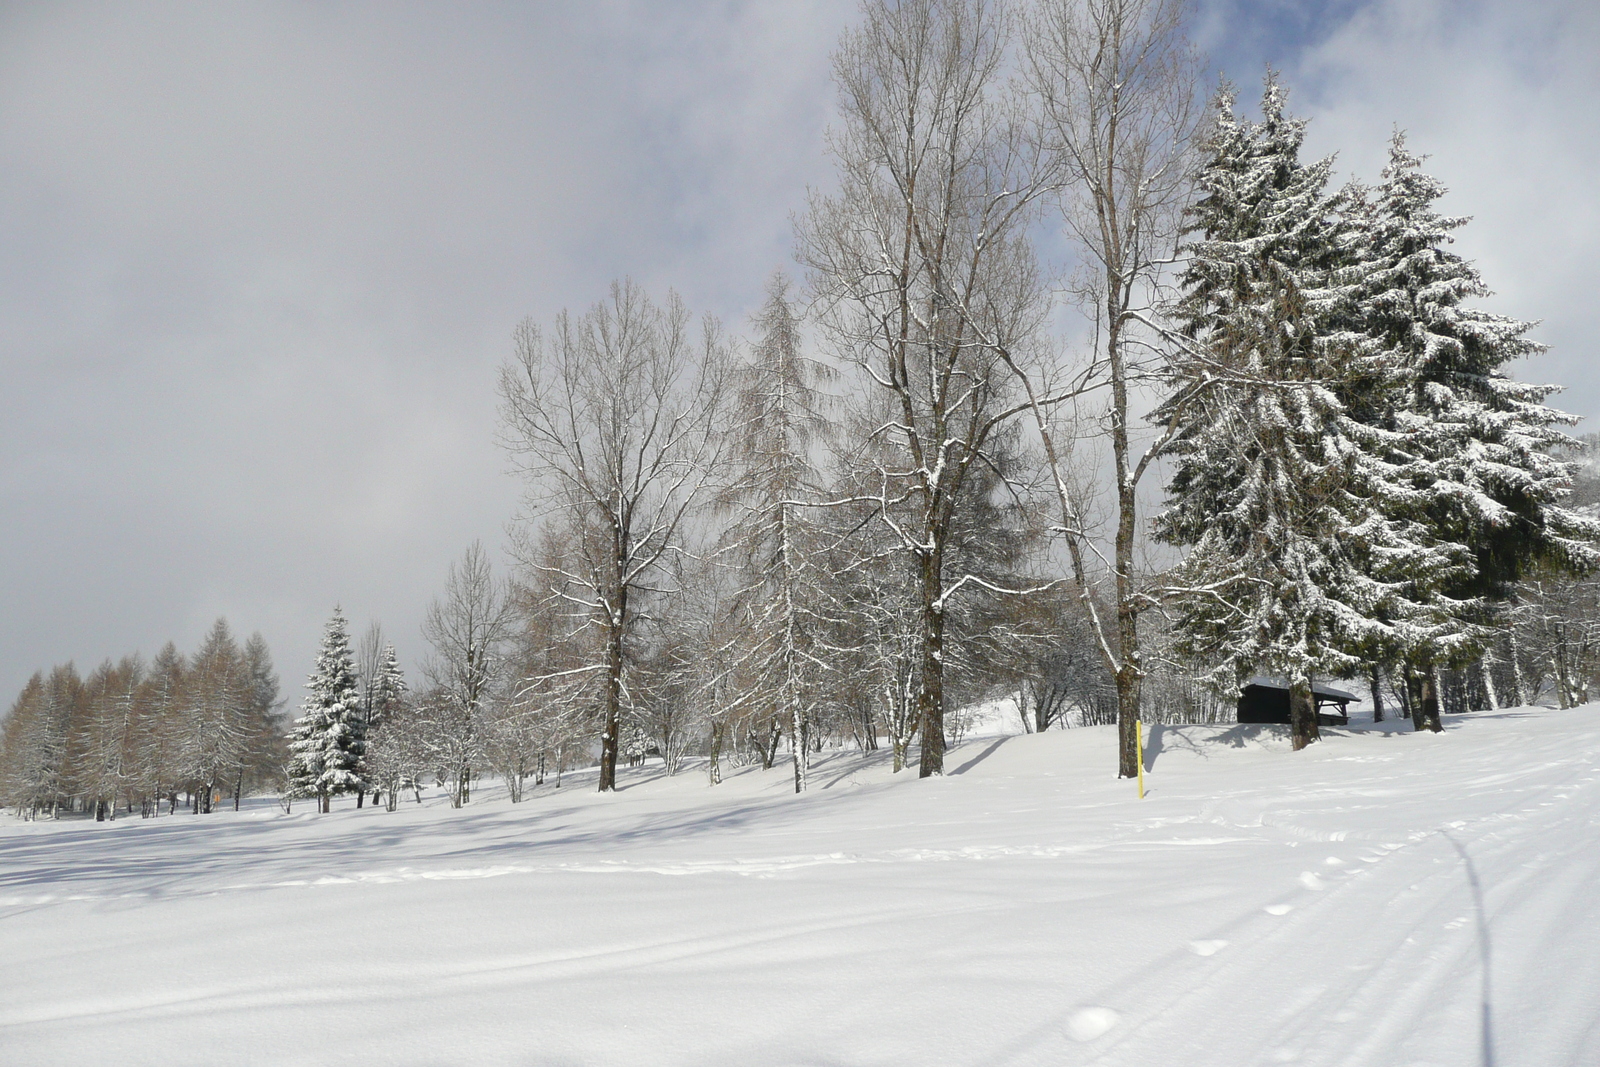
(1267, 700)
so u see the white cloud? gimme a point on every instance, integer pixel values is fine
(1504, 100)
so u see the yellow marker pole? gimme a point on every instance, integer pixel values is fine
(1138, 744)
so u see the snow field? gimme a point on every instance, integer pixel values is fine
(1258, 906)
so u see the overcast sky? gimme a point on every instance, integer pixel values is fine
(259, 264)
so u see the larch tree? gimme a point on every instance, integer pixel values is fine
(369, 650)
(217, 719)
(264, 754)
(160, 703)
(31, 749)
(554, 647)
(776, 537)
(107, 735)
(614, 418)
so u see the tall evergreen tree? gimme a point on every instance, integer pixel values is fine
(217, 732)
(265, 751)
(393, 748)
(1277, 487)
(1472, 448)
(328, 739)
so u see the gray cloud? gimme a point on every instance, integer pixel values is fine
(262, 263)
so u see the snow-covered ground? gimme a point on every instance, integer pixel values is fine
(1369, 901)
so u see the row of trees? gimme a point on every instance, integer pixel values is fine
(138, 734)
(361, 730)
(1353, 479)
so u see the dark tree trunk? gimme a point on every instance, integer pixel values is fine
(719, 730)
(1128, 673)
(609, 739)
(1425, 708)
(1302, 714)
(930, 680)
(769, 747)
(1377, 694)
(1129, 681)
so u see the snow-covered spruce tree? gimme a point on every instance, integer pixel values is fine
(327, 742)
(388, 688)
(1472, 447)
(396, 757)
(1276, 488)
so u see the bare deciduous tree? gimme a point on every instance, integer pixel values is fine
(613, 419)
(468, 629)
(924, 276)
(1115, 84)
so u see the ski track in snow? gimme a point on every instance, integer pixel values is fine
(1338, 906)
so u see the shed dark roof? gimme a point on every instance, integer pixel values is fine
(1272, 682)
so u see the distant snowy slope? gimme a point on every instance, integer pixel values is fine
(1258, 907)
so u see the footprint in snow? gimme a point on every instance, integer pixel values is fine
(1086, 1024)
(1278, 909)
(1311, 881)
(1207, 948)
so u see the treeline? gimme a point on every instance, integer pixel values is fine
(137, 735)
(721, 550)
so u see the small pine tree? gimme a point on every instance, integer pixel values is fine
(329, 739)
(387, 691)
